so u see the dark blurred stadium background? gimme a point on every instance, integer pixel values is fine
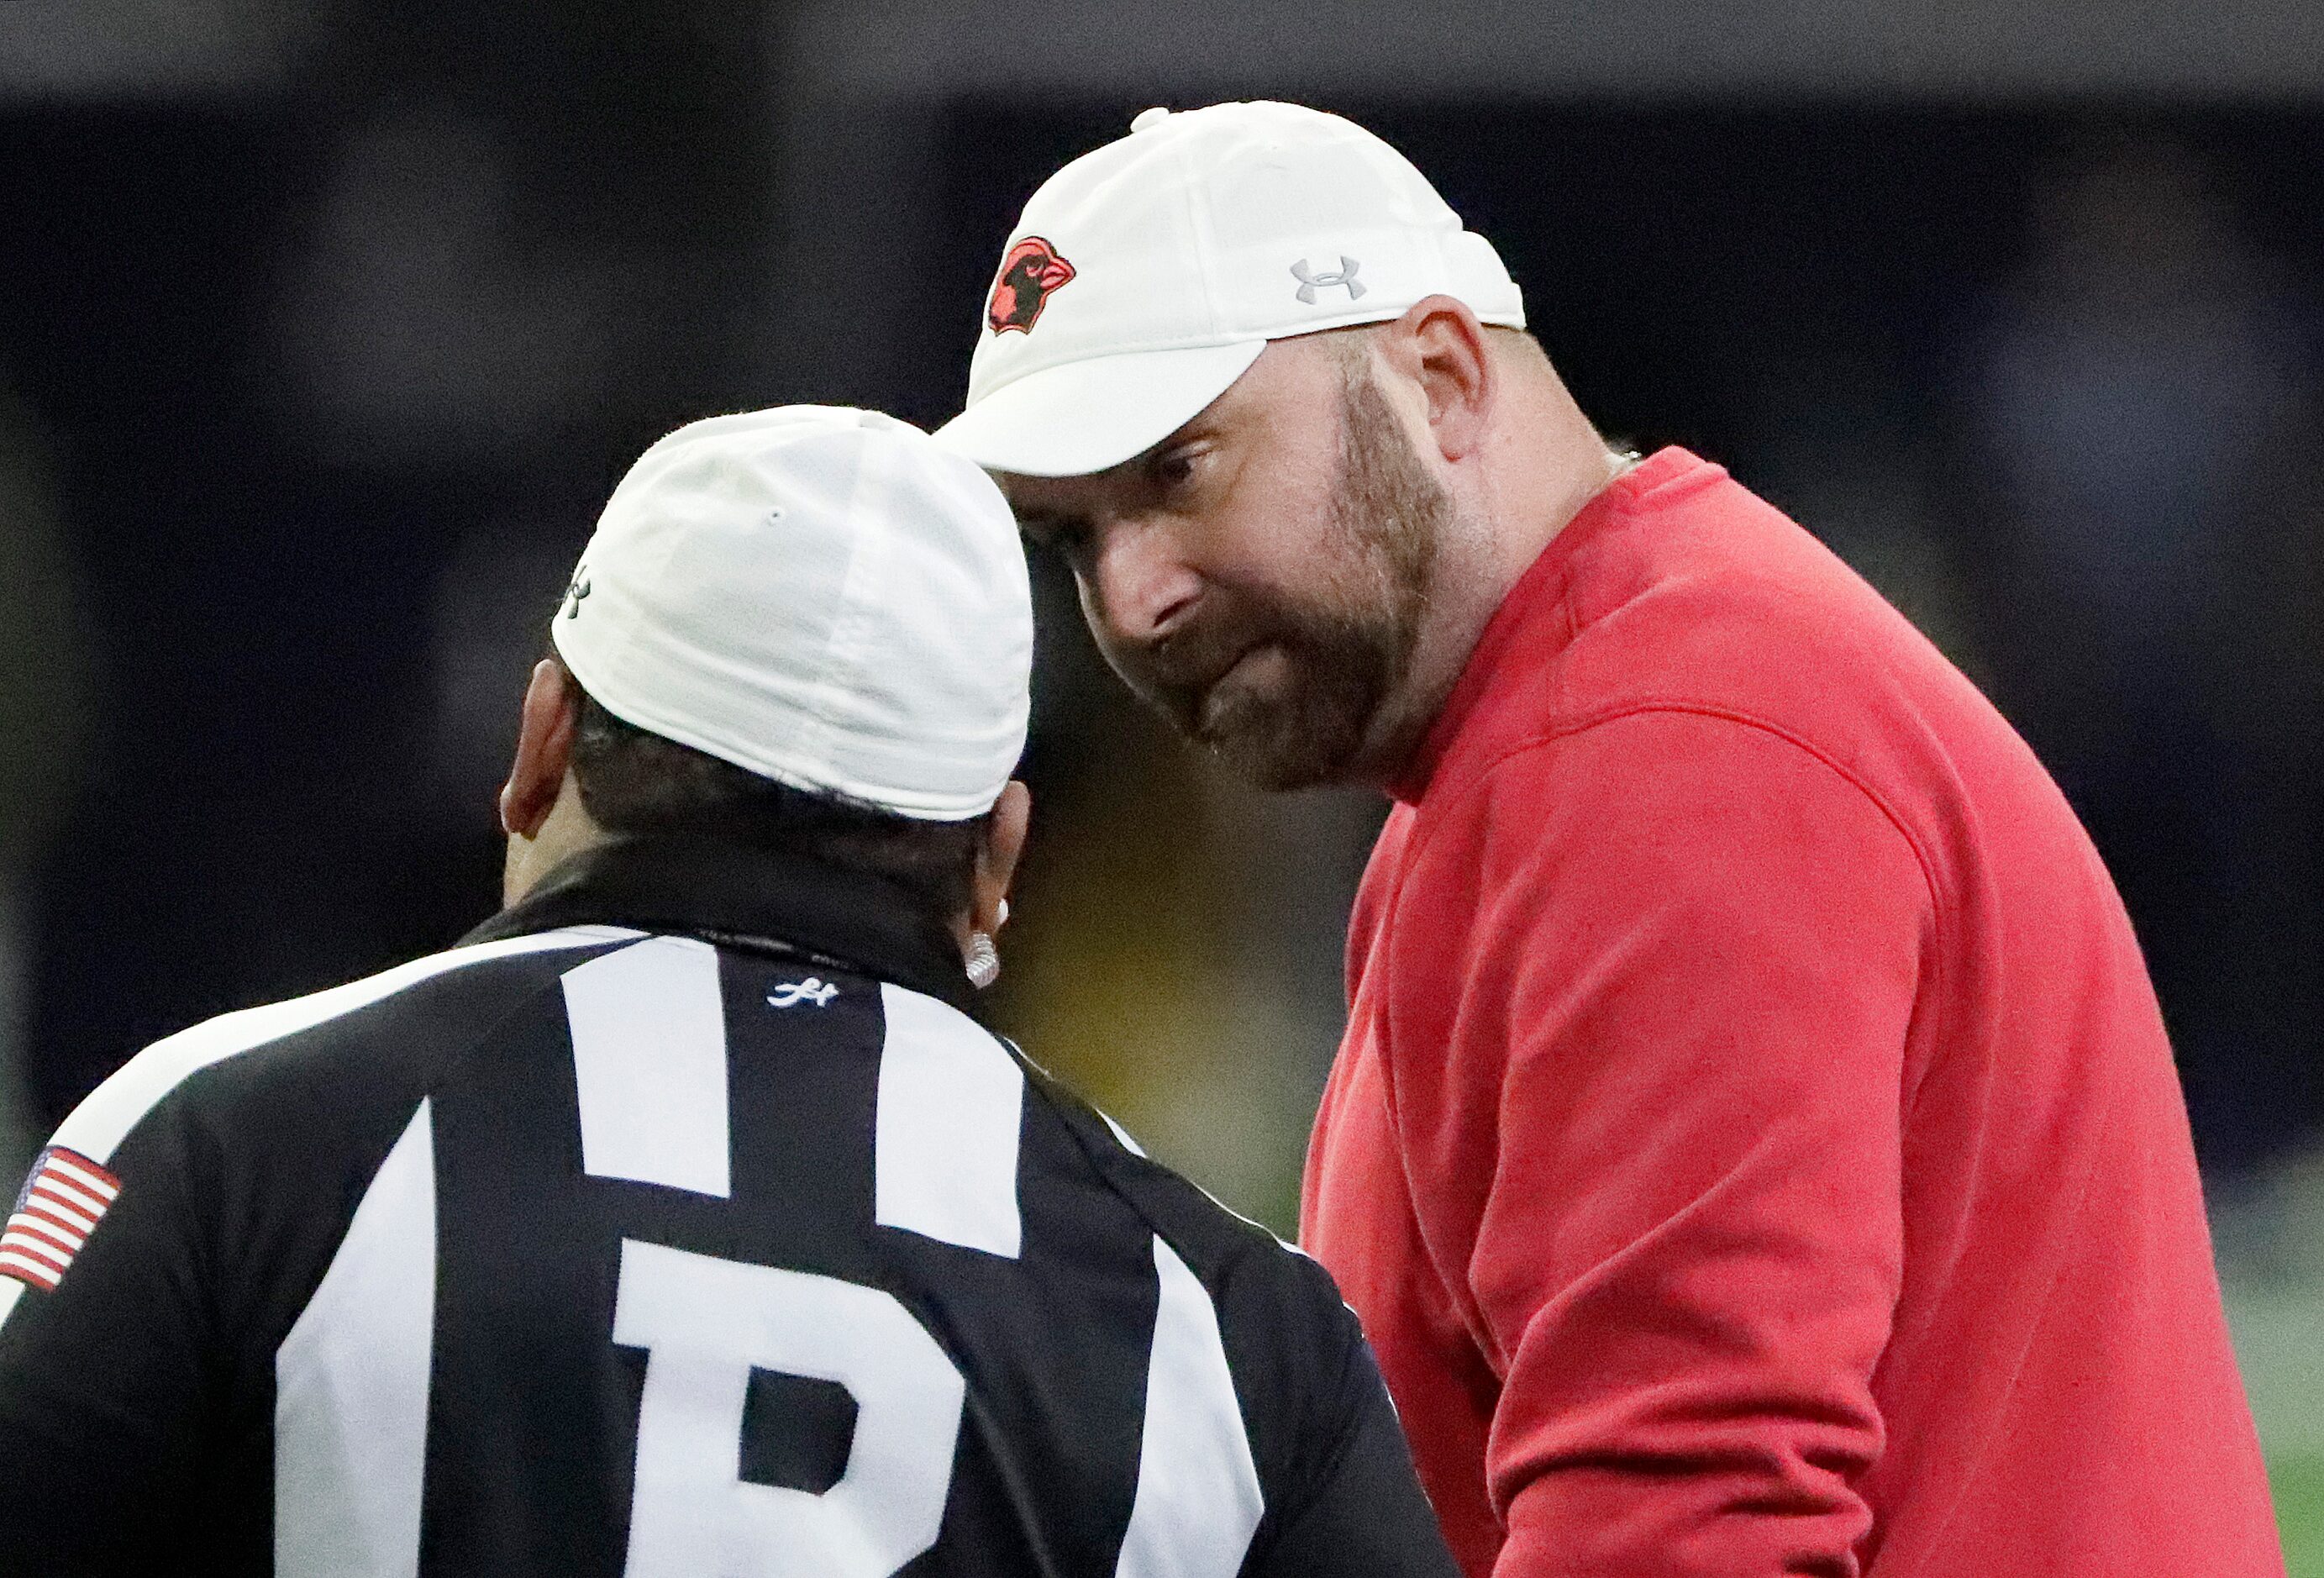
(323, 330)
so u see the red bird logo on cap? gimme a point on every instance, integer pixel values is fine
(1030, 275)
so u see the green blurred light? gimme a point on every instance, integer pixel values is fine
(2299, 1482)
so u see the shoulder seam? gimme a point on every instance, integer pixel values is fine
(1475, 777)
(110, 1113)
(1051, 1091)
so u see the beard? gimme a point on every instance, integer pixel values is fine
(1290, 686)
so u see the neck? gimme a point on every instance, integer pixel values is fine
(564, 833)
(1543, 463)
(733, 892)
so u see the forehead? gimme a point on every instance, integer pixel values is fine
(1285, 402)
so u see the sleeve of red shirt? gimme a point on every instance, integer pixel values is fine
(1668, 1121)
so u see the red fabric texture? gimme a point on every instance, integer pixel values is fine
(1756, 1149)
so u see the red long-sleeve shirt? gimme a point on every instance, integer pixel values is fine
(1756, 1149)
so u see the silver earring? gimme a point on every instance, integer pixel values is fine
(983, 961)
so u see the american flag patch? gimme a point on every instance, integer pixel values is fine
(60, 1206)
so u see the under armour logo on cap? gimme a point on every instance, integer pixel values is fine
(1311, 282)
(575, 591)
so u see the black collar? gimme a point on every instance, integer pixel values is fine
(732, 894)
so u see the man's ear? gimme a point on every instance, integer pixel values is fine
(544, 749)
(996, 861)
(1439, 346)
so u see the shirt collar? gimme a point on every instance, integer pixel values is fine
(738, 896)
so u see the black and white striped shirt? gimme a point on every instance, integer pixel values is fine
(682, 1222)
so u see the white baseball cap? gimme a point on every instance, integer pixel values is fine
(820, 595)
(1144, 277)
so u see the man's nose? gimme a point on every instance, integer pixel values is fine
(1143, 583)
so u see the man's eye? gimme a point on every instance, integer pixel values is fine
(1067, 538)
(1174, 467)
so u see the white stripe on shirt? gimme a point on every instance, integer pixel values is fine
(1198, 1500)
(952, 1106)
(351, 1383)
(649, 1032)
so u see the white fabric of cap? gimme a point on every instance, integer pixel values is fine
(1191, 243)
(820, 595)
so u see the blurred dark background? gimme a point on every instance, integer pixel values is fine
(325, 329)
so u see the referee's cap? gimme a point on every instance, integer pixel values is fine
(1144, 277)
(820, 595)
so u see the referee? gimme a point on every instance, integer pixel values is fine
(682, 1220)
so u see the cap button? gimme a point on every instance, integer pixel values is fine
(1149, 117)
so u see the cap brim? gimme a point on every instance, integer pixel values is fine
(1087, 416)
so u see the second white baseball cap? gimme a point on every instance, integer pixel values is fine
(1144, 277)
(820, 595)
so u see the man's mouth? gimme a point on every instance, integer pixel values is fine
(1180, 674)
(1260, 668)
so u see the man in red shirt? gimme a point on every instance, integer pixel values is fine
(1756, 1149)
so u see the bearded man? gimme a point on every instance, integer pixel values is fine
(1756, 1149)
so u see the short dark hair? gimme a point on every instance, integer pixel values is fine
(637, 784)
